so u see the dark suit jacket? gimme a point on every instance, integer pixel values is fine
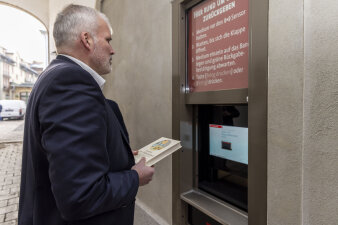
(76, 155)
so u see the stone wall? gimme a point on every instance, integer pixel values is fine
(141, 84)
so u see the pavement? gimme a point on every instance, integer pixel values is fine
(11, 131)
(11, 135)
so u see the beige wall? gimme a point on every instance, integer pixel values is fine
(303, 118)
(38, 8)
(320, 154)
(141, 84)
(285, 112)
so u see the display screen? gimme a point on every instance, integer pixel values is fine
(229, 142)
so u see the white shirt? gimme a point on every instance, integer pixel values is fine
(100, 81)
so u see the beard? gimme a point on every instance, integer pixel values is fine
(101, 60)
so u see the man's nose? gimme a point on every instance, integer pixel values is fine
(112, 52)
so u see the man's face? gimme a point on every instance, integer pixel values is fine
(102, 53)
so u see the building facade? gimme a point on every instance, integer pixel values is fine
(17, 77)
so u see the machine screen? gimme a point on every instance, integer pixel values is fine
(229, 142)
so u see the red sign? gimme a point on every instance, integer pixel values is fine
(218, 45)
(215, 126)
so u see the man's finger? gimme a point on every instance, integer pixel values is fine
(135, 152)
(143, 159)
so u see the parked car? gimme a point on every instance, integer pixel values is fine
(13, 109)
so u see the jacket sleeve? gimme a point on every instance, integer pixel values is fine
(73, 132)
(115, 107)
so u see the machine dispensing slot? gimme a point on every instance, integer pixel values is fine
(215, 211)
(223, 152)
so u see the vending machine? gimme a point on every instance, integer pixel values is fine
(220, 67)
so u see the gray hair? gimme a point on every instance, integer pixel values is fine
(73, 20)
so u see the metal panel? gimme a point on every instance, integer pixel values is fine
(185, 163)
(221, 212)
(182, 162)
(189, 4)
(238, 96)
(258, 85)
(176, 203)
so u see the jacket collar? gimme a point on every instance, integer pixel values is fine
(99, 80)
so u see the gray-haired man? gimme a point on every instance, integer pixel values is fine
(77, 165)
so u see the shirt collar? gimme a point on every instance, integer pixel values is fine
(99, 80)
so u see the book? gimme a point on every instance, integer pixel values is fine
(158, 150)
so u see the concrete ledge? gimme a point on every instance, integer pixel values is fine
(10, 141)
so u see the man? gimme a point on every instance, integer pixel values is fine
(77, 166)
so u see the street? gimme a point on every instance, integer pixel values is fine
(11, 134)
(11, 130)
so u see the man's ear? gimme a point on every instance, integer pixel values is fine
(87, 40)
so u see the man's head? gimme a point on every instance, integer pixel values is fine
(84, 33)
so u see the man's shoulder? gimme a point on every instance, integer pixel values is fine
(63, 66)
(63, 69)
(61, 73)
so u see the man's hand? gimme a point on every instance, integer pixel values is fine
(135, 152)
(145, 173)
